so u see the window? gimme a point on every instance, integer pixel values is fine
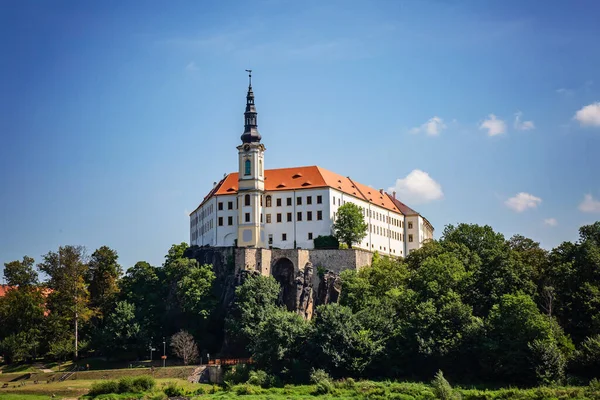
(247, 200)
(268, 218)
(230, 205)
(299, 200)
(289, 217)
(319, 199)
(283, 237)
(334, 201)
(278, 217)
(308, 199)
(229, 221)
(270, 238)
(278, 202)
(319, 215)
(310, 237)
(410, 226)
(261, 218)
(247, 167)
(237, 202)
(247, 217)
(220, 221)
(268, 201)
(309, 215)
(299, 216)
(289, 201)
(410, 238)
(220, 206)
(261, 201)
(260, 167)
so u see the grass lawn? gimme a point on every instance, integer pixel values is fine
(15, 396)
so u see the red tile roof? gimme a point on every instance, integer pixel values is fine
(308, 178)
(3, 290)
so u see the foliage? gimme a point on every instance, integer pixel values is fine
(350, 226)
(185, 347)
(20, 273)
(127, 384)
(174, 390)
(121, 332)
(322, 381)
(326, 242)
(103, 275)
(441, 387)
(262, 379)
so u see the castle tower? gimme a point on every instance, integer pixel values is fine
(251, 178)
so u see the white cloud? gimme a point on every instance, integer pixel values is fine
(550, 222)
(589, 115)
(191, 67)
(493, 125)
(433, 127)
(565, 92)
(522, 201)
(522, 125)
(589, 204)
(417, 187)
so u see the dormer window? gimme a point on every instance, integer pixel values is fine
(247, 167)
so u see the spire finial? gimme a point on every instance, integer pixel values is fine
(249, 71)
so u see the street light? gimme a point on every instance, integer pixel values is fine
(164, 357)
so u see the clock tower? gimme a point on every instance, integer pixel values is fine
(251, 178)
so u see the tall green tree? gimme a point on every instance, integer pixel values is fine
(121, 332)
(21, 273)
(350, 226)
(103, 277)
(68, 300)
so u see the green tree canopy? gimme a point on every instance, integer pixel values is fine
(350, 226)
(21, 273)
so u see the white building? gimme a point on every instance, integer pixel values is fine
(289, 207)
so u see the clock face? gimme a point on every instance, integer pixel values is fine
(247, 147)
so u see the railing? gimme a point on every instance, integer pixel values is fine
(230, 361)
(69, 373)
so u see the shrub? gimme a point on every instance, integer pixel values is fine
(262, 379)
(245, 389)
(549, 363)
(326, 242)
(441, 387)
(156, 396)
(587, 361)
(126, 385)
(237, 374)
(104, 387)
(322, 380)
(174, 390)
(143, 383)
(594, 385)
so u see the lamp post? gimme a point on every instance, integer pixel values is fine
(164, 357)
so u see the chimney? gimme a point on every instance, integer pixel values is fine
(214, 184)
(394, 194)
(381, 191)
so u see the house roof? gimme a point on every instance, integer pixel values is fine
(406, 210)
(3, 290)
(309, 177)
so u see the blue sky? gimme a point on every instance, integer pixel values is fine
(117, 117)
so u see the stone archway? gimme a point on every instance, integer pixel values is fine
(284, 273)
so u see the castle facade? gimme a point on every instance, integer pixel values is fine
(287, 208)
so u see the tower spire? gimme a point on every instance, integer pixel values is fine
(251, 133)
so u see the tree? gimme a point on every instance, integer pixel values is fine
(121, 331)
(184, 347)
(20, 273)
(194, 289)
(103, 276)
(350, 226)
(69, 300)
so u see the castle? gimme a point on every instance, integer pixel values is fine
(287, 208)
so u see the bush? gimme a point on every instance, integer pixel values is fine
(174, 390)
(245, 389)
(237, 374)
(126, 385)
(104, 387)
(587, 360)
(549, 363)
(322, 380)
(326, 242)
(262, 379)
(156, 396)
(441, 387)
(143, 383)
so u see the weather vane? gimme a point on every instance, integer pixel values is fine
(249, 71)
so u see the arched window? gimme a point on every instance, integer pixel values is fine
(247, 200)
(260, 170)
(247, 167)
(268, 201)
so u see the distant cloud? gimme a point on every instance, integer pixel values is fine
(522, 125)
(589, 204)
(493, 125)
(433, 127)
(522, 201)
(550, 222)
(589, 115)
(417, 188)
(565, 92)
(191, 67)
